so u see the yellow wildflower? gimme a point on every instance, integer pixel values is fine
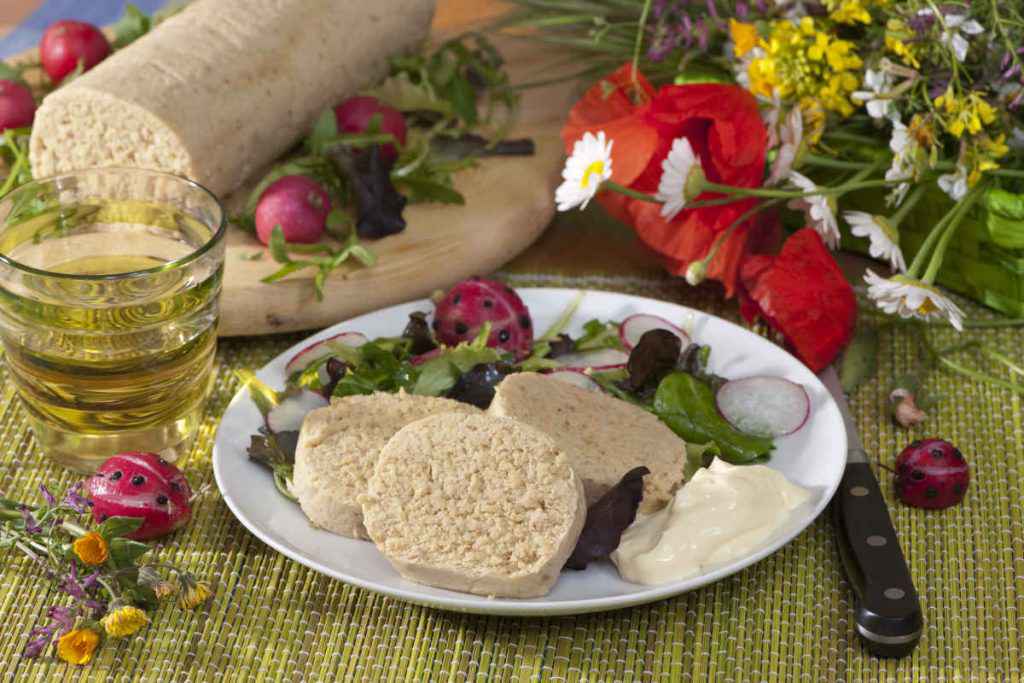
(744, 37)
(124, 621)
(814, 120)
(802, 62)
(91, 548)
(896, 32)
(968, 113)
(983, 157)
(848, 11)
(193, 593)
(996, 147)
(77, 645)
(164, 589)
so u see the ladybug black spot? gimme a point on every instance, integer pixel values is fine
(938, 453)
(524, 322)
(903, 468)
(138, 480)
(931, 492)
(488, 303)
(104, 517)
(917, 475)
(957, 455)
(116, 474)
(161, 499)
(175, 486)
(461, 328)
(504, 336)
(456, 299)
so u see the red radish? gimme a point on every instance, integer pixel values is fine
(298, 204)
(932, 473)
(424, 357)
(577, 378)
(354, 114)
(459, 316)
(599, 359)
(137, 484)
(17, 106)
(323, 349)
(765, 406)
(66, 43)
(288, 415)
(635, 326)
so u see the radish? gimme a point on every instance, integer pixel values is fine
(17, 106)
(764, 406)
(321, 350)
(288, 415)
(66, 43)
(601, 359)
(635, 326)
(577, 378)
(429, 355)
(141, 485)
(354, 114)
(296, 203)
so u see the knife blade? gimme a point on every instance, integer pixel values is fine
(887, 611)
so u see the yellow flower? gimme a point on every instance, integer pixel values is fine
(896, 32)
(193, 594)
(968, 113)
(77, 645)
(848, 11)
(744, 37)
(124, 621)
(995, 148)
(164, 589)
(91, 548)
(801, 62)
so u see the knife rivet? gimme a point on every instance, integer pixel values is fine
(859, 491)
(894, 593)
(876, 541)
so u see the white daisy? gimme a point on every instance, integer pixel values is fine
(954, 184)
(818, 208)
(883, 236)
(876, 98)
(589, 165)
(791, 133)
(682, 178)
(909, 298)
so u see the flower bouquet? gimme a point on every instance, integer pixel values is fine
(888, 126)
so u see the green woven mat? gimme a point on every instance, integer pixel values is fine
(785, 618)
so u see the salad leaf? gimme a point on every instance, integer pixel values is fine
(599, 335)
(379, 203)
(698, 455)
(607, 519)
(687, 406)
(132, 25)
(476, 386)
(379, 368)
(417, 331)
(275, 451)
(653, 357)
(440, 374)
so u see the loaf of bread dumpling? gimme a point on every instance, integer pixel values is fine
(474, 503)
(338, 448)
(223, 88)
(604, 437)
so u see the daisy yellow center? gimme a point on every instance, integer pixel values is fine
(927, 307)
(595, 168)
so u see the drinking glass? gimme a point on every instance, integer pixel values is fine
(109, 287)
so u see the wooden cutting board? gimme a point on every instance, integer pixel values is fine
(509, 202)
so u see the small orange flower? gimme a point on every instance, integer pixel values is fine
(78, 645)
(91, 548)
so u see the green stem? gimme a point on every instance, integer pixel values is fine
(749, 213)
(70, 527)
(828, 162)
(940, 251)
(640, 39)
(911, 201)
(622, 189)
(1000, 358)
(929, 242)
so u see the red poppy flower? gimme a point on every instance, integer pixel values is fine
(803, 295)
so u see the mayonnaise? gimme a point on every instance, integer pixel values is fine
(722, 513)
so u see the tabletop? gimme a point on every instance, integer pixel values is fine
(785, 618)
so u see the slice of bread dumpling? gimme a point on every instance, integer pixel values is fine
(473, 503)
(338, 448)
(603, 436)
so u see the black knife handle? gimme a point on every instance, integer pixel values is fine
(888, 613)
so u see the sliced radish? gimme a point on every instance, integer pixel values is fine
(765, 406)
(424, 357)
(323, 349)
(601, 359)
(634, 326)
(576, 378)
(292, 410)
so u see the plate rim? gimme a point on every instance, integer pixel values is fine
(469, 603)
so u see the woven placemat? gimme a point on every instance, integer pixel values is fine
(786, 618)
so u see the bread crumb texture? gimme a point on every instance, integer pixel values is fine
(476, 503)
(338, 448)
(603, 437)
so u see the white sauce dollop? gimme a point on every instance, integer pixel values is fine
(722, 513)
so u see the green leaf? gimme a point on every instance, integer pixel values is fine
(687, 406)
(132, 25)
(860, 360)
(339, 223)
(124, 551)
(698, 456)
(325, 128)
(463, 100)
(426, 190)
(286, 270)
(440, 374)
(599, 335)
(118, 526)
(278, 246)
(11, 73)
(401, 93)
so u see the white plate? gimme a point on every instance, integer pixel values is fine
(813, 457)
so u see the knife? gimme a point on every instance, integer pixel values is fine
(887, 610)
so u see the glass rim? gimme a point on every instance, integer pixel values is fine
(200, 251)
